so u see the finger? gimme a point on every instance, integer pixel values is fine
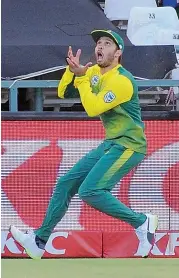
(88, 65)
(75, 63)
(78, 53)
(70, 63)
(70, 52)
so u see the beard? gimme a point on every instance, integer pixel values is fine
(104, 65)
(107, 62)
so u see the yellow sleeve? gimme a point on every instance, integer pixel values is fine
(64, 82)
(117, 90)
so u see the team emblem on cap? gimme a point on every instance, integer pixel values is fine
(109, 97)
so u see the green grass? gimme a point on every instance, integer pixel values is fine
(90, 268)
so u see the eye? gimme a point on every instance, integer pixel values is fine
(108, 43)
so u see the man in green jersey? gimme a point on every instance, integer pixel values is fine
(107, 90)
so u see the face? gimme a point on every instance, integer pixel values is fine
(106, 52)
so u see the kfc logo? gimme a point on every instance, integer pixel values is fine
(60, 244)
(165, 244)
(52, 247)
(90, 244)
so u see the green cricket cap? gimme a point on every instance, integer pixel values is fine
(97, 34)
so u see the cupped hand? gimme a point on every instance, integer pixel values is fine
(74, 63)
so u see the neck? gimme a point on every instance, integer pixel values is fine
(108, 68)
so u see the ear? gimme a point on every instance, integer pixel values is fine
(118, 53)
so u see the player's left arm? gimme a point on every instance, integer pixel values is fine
(117, 90)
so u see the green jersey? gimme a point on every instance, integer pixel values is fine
(114, 97)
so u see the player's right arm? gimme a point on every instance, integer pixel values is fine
(66, 88)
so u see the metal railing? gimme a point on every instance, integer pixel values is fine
(13, 87)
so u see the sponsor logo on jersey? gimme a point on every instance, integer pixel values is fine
(94, 80)
(109, 97)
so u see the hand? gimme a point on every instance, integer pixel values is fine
(72, 57)
(74, 63)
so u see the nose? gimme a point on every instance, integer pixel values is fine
(100, 47)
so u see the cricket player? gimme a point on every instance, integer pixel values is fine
(107, 90)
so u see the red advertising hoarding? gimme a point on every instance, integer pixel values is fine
(36, 153)
(84, 244)
(62, 244)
